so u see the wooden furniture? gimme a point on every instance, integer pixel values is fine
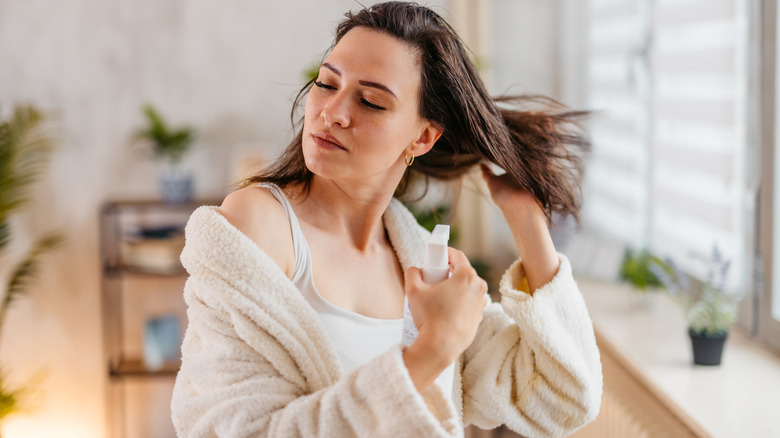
(142, 278)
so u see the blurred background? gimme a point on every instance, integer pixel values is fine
(683, 94)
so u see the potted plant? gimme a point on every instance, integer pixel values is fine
(24, 152)
(710, 308)
(169, 145)
(636, 271)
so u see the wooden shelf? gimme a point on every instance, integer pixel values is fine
(140, 246)
(116, 271)
(137, 368)
(156, 204)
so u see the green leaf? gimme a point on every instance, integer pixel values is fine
(25, 149)
(27, 271)
(5, 234)
(18, 398)
(636, 269)
(168, 143)
(9, 400)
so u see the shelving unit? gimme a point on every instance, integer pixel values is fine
(141, 278)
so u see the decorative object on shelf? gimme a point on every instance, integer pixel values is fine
(169, 145)
(710, 308)
(162, 341)
(635, 269)
(154, 250)
(25, 148)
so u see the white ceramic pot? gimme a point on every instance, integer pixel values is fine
(176, 184)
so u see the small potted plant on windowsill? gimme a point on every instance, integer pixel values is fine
(169, 145)
(636, 271)
(710, 308)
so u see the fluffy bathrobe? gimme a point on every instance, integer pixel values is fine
(256, 361)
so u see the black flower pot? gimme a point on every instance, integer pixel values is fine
(707, 349)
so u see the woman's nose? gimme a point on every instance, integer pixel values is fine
(336, 112)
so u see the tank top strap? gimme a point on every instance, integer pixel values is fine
(300, 247)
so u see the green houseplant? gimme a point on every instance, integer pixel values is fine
(710, 308)
(25, 148)
(169, 145)
(636, 271)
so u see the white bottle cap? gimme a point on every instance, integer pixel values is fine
(435, 260)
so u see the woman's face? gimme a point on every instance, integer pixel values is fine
(362, 114)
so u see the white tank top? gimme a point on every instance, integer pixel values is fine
(357, 338)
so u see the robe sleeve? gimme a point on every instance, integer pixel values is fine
(534, 364)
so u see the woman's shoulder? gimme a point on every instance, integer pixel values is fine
(255, 212)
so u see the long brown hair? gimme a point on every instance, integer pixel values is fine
(534, 138)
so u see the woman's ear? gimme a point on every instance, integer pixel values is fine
(430, 133)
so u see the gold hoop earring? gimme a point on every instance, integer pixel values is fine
(408, 161)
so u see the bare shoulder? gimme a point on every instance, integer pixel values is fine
(255, 212)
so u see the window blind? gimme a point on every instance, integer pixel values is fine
(671, 168)
(700, 180)
(616, 183)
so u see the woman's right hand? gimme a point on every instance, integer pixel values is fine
(447, 315)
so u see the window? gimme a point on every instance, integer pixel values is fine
(673, 169)
(768, 308)
(617, 183)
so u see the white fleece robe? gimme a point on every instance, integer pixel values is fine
(257, 362)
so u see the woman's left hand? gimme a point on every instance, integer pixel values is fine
(505, 192)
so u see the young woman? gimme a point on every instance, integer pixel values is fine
(298, 280)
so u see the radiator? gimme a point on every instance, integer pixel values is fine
(629, 409)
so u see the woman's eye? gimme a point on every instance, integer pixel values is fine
(323, 85)
(365, 102)
(371, 105)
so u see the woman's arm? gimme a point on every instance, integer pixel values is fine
(528, 225)
(534, 364)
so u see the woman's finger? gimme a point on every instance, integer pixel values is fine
(413, 277)
(458, 260)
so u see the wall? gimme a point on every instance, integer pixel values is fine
(230, 69)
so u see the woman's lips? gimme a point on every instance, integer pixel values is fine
(327, 141)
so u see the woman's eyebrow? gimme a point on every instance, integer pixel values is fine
(363, 83)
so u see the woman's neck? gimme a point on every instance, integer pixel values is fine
(341, 208)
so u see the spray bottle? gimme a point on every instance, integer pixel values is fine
(435, 269)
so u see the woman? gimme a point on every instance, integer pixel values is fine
(269, 351)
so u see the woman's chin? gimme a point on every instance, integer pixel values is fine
(323, 167)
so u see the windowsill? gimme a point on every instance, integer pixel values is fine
(738, 398)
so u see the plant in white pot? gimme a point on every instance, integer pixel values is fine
(169, 145)
(710, 307)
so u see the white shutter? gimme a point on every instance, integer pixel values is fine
(700, 186)
(616, 181)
